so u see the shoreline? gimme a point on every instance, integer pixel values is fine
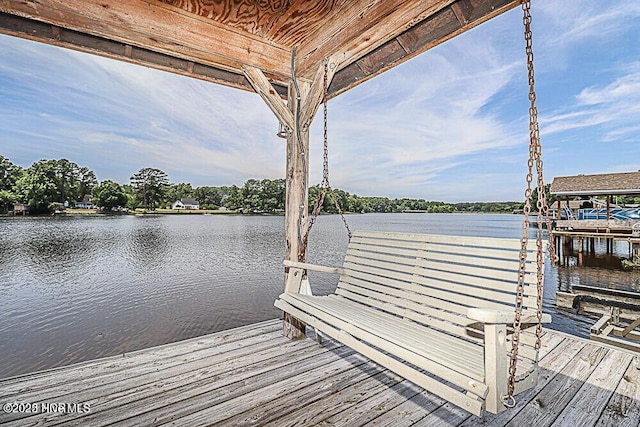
(95, 213)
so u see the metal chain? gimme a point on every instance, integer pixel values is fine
(535, 156)
(325, 185)
(534, 134)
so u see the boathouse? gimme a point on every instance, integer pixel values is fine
(598, 191)
(603, 218)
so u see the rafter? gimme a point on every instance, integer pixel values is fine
(210, 41)
(158, 27)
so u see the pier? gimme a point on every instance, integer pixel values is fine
(254, 376)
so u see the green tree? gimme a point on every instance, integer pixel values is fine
(534, 197)
(252, 196)
(86, 181)
(150, 186)
(355, 204)
(7, 199)
(233, 199)
(179, 191)
(9, 176)
(38, 186)
(53, 181)
(209, 197)
(132, 200)
(273, 194)
(72, 181)
(108, 195)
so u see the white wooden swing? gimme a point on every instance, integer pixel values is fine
(438, 310)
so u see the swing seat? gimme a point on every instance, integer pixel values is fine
(433, 309)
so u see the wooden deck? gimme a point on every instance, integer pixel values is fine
(254, 376)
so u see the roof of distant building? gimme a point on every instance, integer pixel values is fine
(189, 202)
(601, 184)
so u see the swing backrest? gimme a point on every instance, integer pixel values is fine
(434, 279)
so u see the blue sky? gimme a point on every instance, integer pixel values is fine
(448, 125)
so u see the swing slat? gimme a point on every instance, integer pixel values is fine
(446, 316)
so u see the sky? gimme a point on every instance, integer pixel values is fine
(450, 124)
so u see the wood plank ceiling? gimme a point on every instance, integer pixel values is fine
(212, 39)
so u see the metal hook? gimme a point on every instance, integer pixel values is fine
(508, 401)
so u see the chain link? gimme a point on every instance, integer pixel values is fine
(325, 185)
(535, 158)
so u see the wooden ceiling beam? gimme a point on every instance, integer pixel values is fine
(361, 28)
(455, 19)
(159, 27)
(363, 37)
(45, 33)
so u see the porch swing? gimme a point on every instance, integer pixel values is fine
(439, 310)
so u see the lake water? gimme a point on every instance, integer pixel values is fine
(75, 289)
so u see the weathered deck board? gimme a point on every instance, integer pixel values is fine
(89, 369)
(622, 409)
(554, 397)
(367, 410)
(596, 392)
(254, 376)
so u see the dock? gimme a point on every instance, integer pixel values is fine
(254, 376)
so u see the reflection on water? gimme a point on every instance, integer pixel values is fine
(597, 268)
(74, 289)
(148, 244)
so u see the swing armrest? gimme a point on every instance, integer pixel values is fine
(484, 315)
(312, 267)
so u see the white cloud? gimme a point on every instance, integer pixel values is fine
(568, 22)
(625, 89)
(397, 133)
(185, 126)
(448, 124)
(615, 106)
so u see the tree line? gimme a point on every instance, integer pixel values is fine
(51, 184)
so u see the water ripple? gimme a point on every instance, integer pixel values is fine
(74, 289)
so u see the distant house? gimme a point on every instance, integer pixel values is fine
(188, 204)
(20, 209)
(85, 203)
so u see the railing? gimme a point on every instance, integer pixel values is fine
(568, 212)
(621, 214)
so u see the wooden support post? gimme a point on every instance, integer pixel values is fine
(496, 365)
(568, 244)
(297, 202)
(297, 178)
(559, 212)
(608, 209)
(297, 173)
(580, 250)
